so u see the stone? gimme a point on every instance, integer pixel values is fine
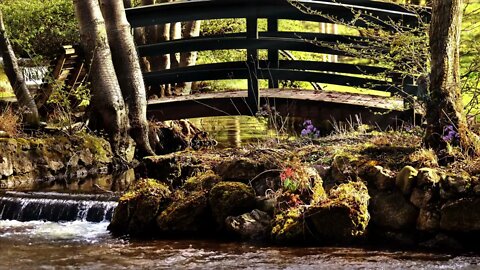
(428, 220)
(421, 197)
(342, 170)
(288, 227)
(428, 177)
(202, 181)
(186, 214)
(392, 210)
(382, 179)
(137, 209)
(454, 185)
(405, 179)
(266, 204)
(255, 225)
(342, 217)
(230, 199)
(461, 215)
(6, 166)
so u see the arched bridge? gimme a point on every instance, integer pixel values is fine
(270, 66)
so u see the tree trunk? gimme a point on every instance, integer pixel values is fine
(15, 76)
(446, 121)
(175, 33)
(192, 29)
(129, 74)
(108, 107)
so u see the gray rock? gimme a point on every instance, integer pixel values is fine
(442, 241)
(392, 210)
(428, 220)
(406, 178)
(461, 215)
(427, 177)
(421, 197)
(6, 166)
(255, 225)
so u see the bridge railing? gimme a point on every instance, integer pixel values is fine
(388, 16)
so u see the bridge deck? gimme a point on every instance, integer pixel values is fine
(291, 102)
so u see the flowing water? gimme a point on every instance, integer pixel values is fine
(77, 243)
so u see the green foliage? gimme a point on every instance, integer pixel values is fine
(39, 27)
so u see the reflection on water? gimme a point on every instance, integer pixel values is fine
(236, 131)
(84, 245)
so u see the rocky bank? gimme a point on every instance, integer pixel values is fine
(378, 188)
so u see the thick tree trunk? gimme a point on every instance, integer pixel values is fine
(446, 121)
(175, 33)
(108, 107)
(15, 76)
(191, 29)
(129, 74)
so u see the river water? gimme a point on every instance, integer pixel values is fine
(71, 241)
(85, 245)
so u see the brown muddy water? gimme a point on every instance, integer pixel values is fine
(76, 236)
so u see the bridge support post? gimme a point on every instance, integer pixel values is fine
(253, 99)
(273, 59)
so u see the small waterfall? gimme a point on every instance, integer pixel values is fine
(50, 206)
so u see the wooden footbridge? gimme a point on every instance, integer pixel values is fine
(318, 104)
(307, 103)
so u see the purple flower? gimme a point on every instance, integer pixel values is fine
(450, 134)
(305, 132)
(307, 123)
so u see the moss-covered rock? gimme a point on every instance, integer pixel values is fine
(406, 179)
(343, 169)
(187, 214)
(343, 216)
(288, 226)
(202, 181)
(137, 209)
(428, 177)
(230, 199)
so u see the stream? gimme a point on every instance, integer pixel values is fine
(56, 230)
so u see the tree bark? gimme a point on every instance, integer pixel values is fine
(15, 76)
(446, 121)
(129, 73)
(108, 107)
(191, 29)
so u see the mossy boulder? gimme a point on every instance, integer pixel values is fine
(343, 216)
(174, 169)
(428, 177)
(288, 226)
(230, 199)
(379, 177)
(455, 185)
(137, 209)
(187, 214)
(202, 181)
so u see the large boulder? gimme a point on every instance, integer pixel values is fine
(230, 199)
(187, 214)
(392, 210)
(137, 209)
(343, 216)
(255, 225)
(461, 215)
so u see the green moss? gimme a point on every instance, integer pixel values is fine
(146, 188)
(202, 181)
(288, 226)
(230, 199)
(99, 147)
